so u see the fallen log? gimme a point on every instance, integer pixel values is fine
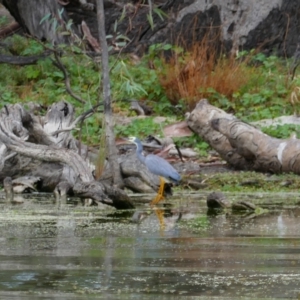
(243, 146)
(199, 121)
(23, 60)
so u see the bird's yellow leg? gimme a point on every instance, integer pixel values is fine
(160, 193)
(160, 216)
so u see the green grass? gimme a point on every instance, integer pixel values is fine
(267, 93)
(243, 181)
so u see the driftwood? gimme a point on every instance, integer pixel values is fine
(45, 148)
(243, 146)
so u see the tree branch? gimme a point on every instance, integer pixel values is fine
(23, 60)
(58, 63)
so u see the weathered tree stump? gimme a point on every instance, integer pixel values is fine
(44, 147)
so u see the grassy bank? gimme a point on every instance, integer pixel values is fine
(248, 84)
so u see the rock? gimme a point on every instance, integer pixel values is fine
(217, 200)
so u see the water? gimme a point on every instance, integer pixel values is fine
(74, 252)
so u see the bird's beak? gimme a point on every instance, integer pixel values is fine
(126, 140)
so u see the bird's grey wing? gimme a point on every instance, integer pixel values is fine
(161, 167)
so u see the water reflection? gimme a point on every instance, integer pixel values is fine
(179, 250)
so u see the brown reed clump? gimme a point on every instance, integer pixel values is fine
(197, 73)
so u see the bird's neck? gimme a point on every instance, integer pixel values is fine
(139, 152)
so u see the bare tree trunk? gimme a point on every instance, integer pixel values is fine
(30, 13)
(110, 136)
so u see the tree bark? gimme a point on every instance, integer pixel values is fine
(30, 13)
(109, 132)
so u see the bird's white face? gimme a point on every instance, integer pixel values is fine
(132, 139)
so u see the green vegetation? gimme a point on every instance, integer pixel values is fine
(251, 85)
(3, 21)
(199, 225)
(139, 127)
(282, 131)
(242, 181)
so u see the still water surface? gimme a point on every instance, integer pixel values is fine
(73, 252)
